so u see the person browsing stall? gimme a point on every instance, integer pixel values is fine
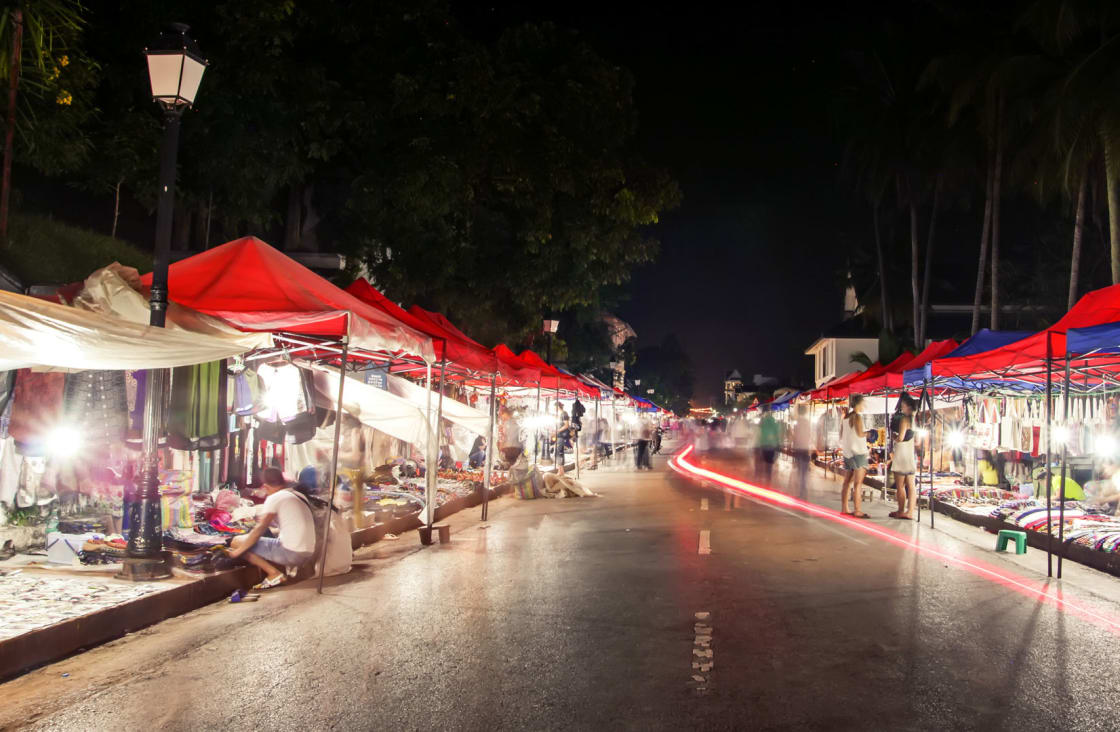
(294, 544)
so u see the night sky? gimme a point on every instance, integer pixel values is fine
(735, 103)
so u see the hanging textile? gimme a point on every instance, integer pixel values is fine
(196, 418)
(95, 405)
(286, 409)
(36, 409)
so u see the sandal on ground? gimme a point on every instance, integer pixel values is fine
(893, 514)
(860, 515)
(903, 516)
(270, 583)
(847, 513)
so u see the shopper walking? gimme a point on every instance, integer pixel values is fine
(853, 445)
(645, 436)
(769, 440)
(903, 464)
(802, 448)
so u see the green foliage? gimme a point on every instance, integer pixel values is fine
(44, 251)
(56, 83)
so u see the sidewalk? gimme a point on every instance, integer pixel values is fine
(947, 534)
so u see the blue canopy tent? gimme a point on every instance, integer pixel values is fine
(784, 401)
(984, 340)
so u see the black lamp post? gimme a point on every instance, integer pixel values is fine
(550, 327)
(175, 69)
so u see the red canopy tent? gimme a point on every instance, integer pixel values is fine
(892, 377)
(456, 348)
(1026, 359)
(254, 287)
(527, 374)
(869, 376)
(551, 377)
(840, 382)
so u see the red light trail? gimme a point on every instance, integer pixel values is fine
(683, 466)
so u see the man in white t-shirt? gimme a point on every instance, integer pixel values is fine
(294, 544)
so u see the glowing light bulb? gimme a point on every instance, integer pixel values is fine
(1105, 446)
(64, 442)
(955, 440)
(921, 432)
(1061, 434)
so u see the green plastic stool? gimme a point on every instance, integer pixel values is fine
(1005, 535)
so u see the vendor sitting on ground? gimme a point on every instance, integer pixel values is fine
(559, 485)
(294, 544)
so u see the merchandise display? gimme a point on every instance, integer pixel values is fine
(262, 364)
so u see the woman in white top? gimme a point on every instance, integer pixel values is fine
(853, 445)
(903, 464)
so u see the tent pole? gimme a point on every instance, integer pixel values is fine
(929, 447)
(614, 418)
(537, 428)
(490, 446)
(431, 432)
(597, 437)
(433, 467)
(1049, 426)
(1062, 484)
(334, 464)
(557, 453)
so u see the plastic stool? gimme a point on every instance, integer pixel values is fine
(1005, 535)
(442, 530)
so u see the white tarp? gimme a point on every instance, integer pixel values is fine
(472, 420)
(42, 334)
(373, 407)
(113, 291)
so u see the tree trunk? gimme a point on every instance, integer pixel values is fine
(116, 208)
(292, 220)
(923, 335)
(1078, 227)
(10, 127)
(995, 214)
(1112, 191)
(884, 301)
(914, 254)
(980, 270)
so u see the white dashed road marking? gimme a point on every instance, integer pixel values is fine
(702, 657)
(705, 542)
(703, 504)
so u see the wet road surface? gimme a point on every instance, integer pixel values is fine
(606, 613)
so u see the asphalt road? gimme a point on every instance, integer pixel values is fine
(583, 614)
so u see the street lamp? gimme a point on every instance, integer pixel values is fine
(550, 327)
(175, 69)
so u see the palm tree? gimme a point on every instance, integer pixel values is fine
(32, 33)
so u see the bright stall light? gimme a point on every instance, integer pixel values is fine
(921, 432)
(64, 442)
(1061, 434)
(1105, 446)
(955, 440)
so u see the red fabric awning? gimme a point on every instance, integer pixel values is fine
(889, 377)
(551, 377)
(254, 287)
(458, 350)
(1026, 358)
(523, 372)
(825, 391)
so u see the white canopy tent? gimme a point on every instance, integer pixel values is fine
(373, 407)
(40, 334)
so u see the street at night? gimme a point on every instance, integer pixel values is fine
(456, 365)
(597, 613)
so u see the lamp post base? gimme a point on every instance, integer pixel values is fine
(145, 569)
